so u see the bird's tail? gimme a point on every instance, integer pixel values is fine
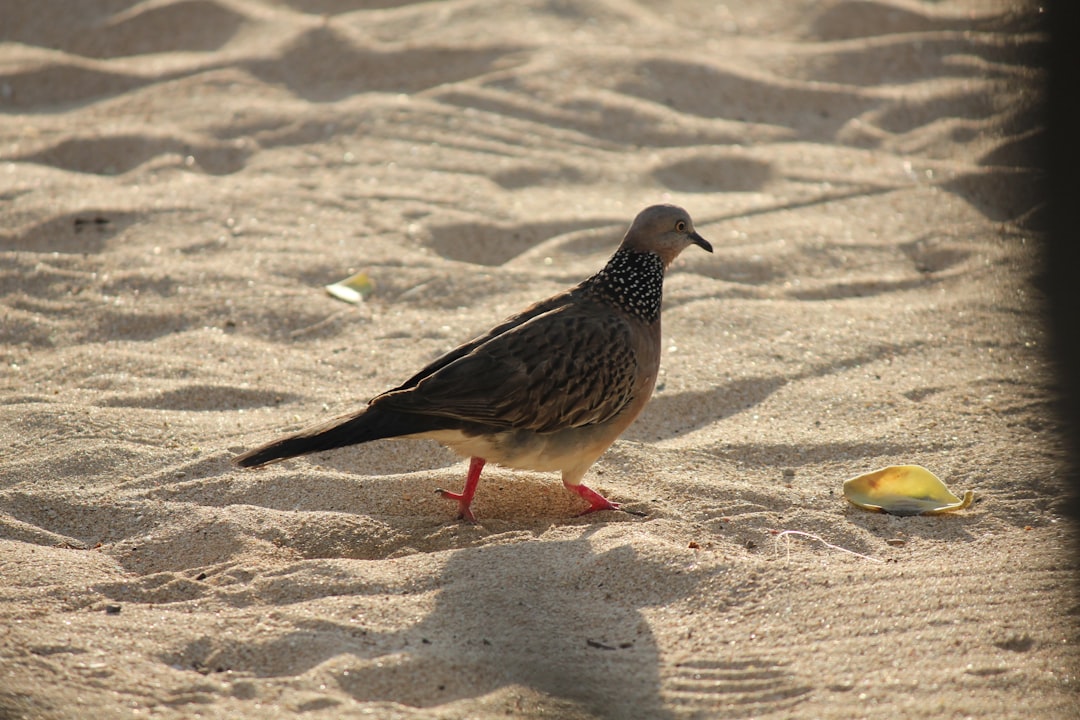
(371, 423)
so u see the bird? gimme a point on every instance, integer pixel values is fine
(547, 389)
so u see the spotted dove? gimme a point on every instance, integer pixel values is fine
(550, 388)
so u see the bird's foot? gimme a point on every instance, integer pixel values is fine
(464, 510)
(597, 501)
(464, 498)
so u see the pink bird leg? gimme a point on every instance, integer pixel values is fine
(465, 497)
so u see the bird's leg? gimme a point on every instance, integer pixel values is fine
(464, 498)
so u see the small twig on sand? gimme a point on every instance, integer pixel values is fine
(781, 533)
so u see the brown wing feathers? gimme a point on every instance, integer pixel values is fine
(563, 368)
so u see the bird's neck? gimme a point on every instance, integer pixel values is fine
(632, 281)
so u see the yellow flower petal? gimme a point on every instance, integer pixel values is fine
(903, 490)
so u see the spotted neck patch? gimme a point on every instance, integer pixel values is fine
(634, 281)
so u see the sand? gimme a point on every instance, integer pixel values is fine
(180, 179)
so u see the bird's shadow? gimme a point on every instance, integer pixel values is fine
(541, 630)
(566, 623)
(672, 414)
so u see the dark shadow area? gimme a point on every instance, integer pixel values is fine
(958, 527)
(541, 631)
(526, 176)
(1061, 157)
(46, 87)
(203, 398)
(33, 23)
(1005, 196)
(669, 415)
(753, 271)
(185, 26)
(86, 231)
(610, 669)
(112, 155)
(338, 7)
(710, 92)
(796, 455)
(606, 124)
(715, 174)
(857, 288)
(488, 244)
(323, 65)
(850, 19)
(933, 253)
(116, 28)
(908, 58)
(907, 114)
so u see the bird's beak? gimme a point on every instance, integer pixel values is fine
(701, 242)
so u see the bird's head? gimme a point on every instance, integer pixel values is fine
(665, 230)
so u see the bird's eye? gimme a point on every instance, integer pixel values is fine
(680, 226)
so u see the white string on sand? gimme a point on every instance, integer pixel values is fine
(781, 533)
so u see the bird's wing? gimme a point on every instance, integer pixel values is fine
(464, 349)
(567, 367)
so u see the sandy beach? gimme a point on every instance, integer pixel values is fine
(181, 178)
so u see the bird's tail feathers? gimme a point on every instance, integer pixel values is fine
(364, 426)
